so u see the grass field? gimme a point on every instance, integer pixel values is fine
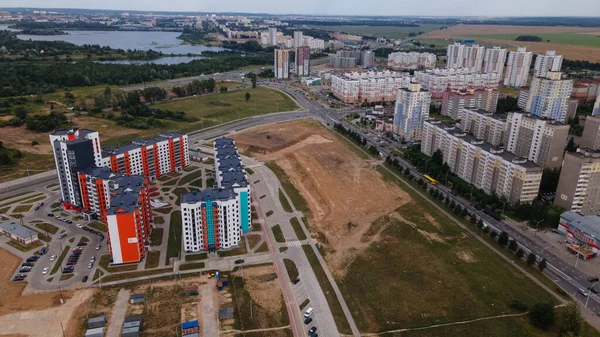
(572, 39)
(291, 268)
(189, 266)
(174, 244)
(60, 260)
(389, 32)
(277, 233)
(156, 236)
(152, 259)
(289, 188)
(284, 202)
(196, 257)
(298, 229)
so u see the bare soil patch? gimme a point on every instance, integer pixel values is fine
(263, 286)
(342, 190)
(466, 256)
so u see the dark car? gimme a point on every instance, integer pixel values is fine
(27, 264)
(307, 320)
(51, 215)
(35, 257)
(84, 279)
(62, 236)
(83, 244)
(296, 280)
(69, 222)
(593, 289)
(312, 330)
(30, 260)
(67, 271)
(44, 250)
(72, 263)
(18, 279)
(37, 208)
(593, 279)
(239, 261)
(25, 270)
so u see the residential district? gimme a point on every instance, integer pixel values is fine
(226, 230)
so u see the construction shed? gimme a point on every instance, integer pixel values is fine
(131, 332)
(137, 298)
(96, 322)
(226, 313)
(97, 332)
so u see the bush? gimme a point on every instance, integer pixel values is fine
(520, 253)
(542, 315)
(531, 258)
(512, 245)
(503, 239)
(34, 143)
(518, 306)
(493, 234)
(571, 320)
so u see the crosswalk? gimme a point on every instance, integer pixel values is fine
(293, 243)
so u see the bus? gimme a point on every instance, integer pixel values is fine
(431, 180)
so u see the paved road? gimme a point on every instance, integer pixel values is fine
(209, 316)
(117, 317)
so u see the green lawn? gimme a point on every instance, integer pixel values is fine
(47, 227)
(190, 176)
(289, 188)
(190, 266)
(240, 250)
(22, 248)
(196, 257)
(284, 202)
(291, 268)
(97, 225)
(278, 234)
(156, 236)
(60, 259)
(389, 32)
(298, 229)
(221, 108)
(572, 39)
(152, 259)
(174, 244)
(124, 276)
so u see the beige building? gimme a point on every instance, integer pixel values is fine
(454, 101)
(538, 139)
(484, 125)
(282, 64)
(487, 167)
(591, 133)
(579, 184)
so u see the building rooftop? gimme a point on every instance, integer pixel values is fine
(18, 230)
(103, 173)
(123, 203)
(590, 224)
(223, 141)
(108, 151)
(229, 179)
(64, 132)
(498, 116)
(208, 194)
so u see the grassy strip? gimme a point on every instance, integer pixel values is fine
(22, 248)
(304, 304)
(124, 276)
(298, 229)
(253, 240)
(60, 260)
(284, 202)
(190, 177)
(278, 234)
(241, 250)
(249, 170)
(17, 195)
(66, 277)
(46, 227)
(196, 257)
(97, 226)
(197, 183)
(156, 237)
(295, 196)
(105, 260)
(163, 210)
(97, 274)
(152, 259)
(265, 248)
(190, 266)
(83, 240)
(210, 183)
(158, 220)
(291, 268)
(269, 213)
(174, 243)
(32, 198)
(22, 208)
(332, 300)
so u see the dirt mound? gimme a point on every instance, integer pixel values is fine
(260, 283)
(343, 191)
(466, 256)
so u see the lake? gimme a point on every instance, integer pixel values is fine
(163, 60)
(165, 42)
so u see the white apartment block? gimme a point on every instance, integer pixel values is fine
(371, 86)
(596, 110)
(579, 183)
(298, 39)
(547, 62)
(411, 61)
(313, 44)
(453, 102)
(549, 97)
(282, 64)
(483, 125)
(523, 98)
(493, 61)
(412, 109)
(517, 68)
(489, 168)
(272, 36)
(439, 80)
(462, 56)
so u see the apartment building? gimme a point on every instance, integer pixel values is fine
(523, 98)
(463, 56)
(281, 67)
(370, 86)
(579, 183)
(549, 62)
(215, 218)
(596, 110)
(517, 68)
(454, 101)
(313, 44)
(591, 133)
(583, 231)
(494, 60)
(487, 167)
(540, 140)
(302, 61)
(411, 61)
(483, 125)
(272, 36)
(412, 109)
(549, 96)
(298, 39)
(150, 157)
(439, 80)
(74, 150)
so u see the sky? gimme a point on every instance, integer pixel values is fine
(339, 7)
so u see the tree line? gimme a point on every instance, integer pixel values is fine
(195, 87)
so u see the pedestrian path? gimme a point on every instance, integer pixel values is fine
(293, 243)
(118, 314)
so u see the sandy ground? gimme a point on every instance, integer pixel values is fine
(591, 54)
(343, 191)
(263, 288)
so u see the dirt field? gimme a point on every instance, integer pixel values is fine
(28, 315)
(571, 52)
(343, 192)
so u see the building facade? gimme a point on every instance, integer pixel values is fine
(412, 109)
(298, 39)
(591, 133)
(579, 183)
(282, 64)
(549, 62)
(439, 80)
(454, 101)
(462, 56)
(549, 97)
(582, 230)
(302, 61)
(483, 125)
(18, 233)
(489, 168)
(411, 61)
(371, 86)
(494, 60)
(517, 68)
(596, 110)
(368, 58)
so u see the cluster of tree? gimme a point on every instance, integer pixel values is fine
(507, 104)
(267, 73)
(26, 78)
(356, 137)
(579, 64)
(570, 321)
(531, 38)
(196, 87)
(252, 77)
(153, 94)
(43, 31)
(8, 156)
(574, 127)
(75, 25)
(314, 32)
(413, 34)
(365, 22)
(251, 46)
(46, 123)
(199, 35)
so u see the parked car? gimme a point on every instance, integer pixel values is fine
(84, 279)
(35, 257)
(97, 247)
(62, 236)
(37, 208)
(67, 271)
(24, 270)
(312, 330)
(30, 260)
(43, 250)
(593, 290)
(69, 222)
(71, 263)
(51, 215)
(593, 279)
(239, 261)
(296, 280)
(83, 243)
(78, 225)
(18, 279)
(308, 320)
(309, 312)
(93, 259)
(27, 264)
(45, 271)
(90, 265)
(52, 258)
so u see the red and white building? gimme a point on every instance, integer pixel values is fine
(583, 233)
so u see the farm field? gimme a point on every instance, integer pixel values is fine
(574, 43)
(389, 32)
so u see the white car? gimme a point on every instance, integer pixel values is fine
(78, 225)
(97, 247)
(90, 265)
(45, 271)
(80, 247)
(53, 257)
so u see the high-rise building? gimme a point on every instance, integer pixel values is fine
(412, 109)
(483, 125)
(439, 80)
(272, 34)
(302, 61)
(549, 62)
(462, 56)
(591, 133)
(368, 58)
(74, 150)
(487, 167)
(493, 61)
(549, 97)
(517, 68)
(215, 218)
(368, 86)
(454, 101)
(596, 110)
(538, 139)
(411, 61)
(579, 183)
(282, 64)
(298, 39)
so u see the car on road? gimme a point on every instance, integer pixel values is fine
(69, 221)
(593, 279)
(308, 320)
(27, 264)
(583, 292)
(84, 279)
(52, 258)
(62, 236)
(78, 225)
(239, 261)
(43, 250)
(51, 215)
(296, 280)
(312, 330)
(309, 312)
(45, 271)
(97, 247)
(90, 265)
(93, 259)
(593, 290)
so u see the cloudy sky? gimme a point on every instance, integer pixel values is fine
(341, 7)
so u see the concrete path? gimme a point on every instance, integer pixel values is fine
(115, 325)
(209, 315)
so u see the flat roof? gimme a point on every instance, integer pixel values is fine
(211, 194)
(18, 230)
(590, 224)
(139, 142)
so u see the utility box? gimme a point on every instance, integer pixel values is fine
(97, 332)
(96, 322)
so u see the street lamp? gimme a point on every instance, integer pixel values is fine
(536, 225)
(589, 291)
(503, 205)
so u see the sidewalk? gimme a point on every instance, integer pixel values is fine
(27, 181)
